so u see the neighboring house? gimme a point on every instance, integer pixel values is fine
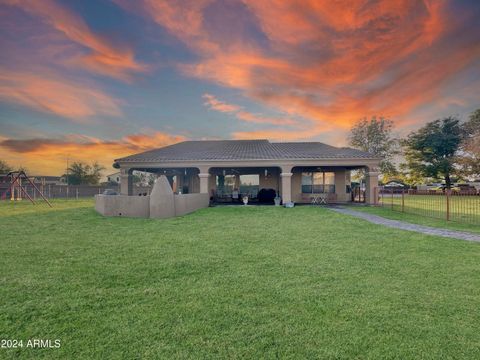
(475, 184)
(38, 179)
(114, 178)
(297, 172)
(49, 180)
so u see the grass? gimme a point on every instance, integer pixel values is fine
(233, 282)
(396, 214)
(462, 208)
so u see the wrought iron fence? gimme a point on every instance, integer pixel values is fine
(358, 195)
(459, 206)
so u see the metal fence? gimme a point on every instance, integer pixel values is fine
(459, 206)
(357, 195)
(51, 191)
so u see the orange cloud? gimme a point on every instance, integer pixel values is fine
(59, 96)
(215, 104)
(259, 119)
(104, 57)
(331, 62)
(49, 156)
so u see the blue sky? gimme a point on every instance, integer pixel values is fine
(96, 80)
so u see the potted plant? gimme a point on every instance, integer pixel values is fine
(277, 200)
(245, 200)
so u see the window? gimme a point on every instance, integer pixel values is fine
(318, 182)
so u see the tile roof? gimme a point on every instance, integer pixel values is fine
(217, 150)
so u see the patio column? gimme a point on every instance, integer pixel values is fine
(371, 184)
(340, 185)
(286, 187)
(126, 181)
(204, 182)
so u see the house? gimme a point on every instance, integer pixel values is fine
(49, 180)
(297, 171)
(114, 178)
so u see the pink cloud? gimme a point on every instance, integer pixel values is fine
(104, 57)
(215, 104)
(56, 95)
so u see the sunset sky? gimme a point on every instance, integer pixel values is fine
(97, 80)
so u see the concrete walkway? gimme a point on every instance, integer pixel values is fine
(408, 226)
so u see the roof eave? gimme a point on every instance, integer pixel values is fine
(143, 161)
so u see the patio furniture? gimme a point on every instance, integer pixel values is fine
(319, 199)
(322, 199)
(266, 196)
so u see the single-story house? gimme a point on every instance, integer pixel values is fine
(49, 180)
(114, 178)
(297, 171)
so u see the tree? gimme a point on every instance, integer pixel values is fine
(4, 167)
(431, 151)
(95, 173)
(469, 155)
(77, 173)
(80, 173)
(375, 136)
(142, 178)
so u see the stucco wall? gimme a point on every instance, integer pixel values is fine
(123, 205)
(161, 204)
(187, 203)
(269, 182)
(297, 187)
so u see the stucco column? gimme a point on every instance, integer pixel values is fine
(340, 185)
(371, 183)
(126, 181)
(286, 187)
(204, 182)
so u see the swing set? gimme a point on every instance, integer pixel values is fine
(16, 187)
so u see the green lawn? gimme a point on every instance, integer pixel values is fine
(233, 282)
(462, 208)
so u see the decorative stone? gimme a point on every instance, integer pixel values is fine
(162, 203)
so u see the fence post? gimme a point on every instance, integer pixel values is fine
(76, 193)
(403, 200)
(447, 192)
(392, 198)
